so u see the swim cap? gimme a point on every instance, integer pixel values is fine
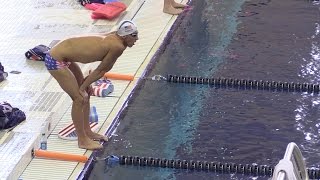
(126, 27)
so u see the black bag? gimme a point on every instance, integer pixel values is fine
(1, 67)
(10, 116)
(3, 75)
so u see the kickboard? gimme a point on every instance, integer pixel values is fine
(109, 11)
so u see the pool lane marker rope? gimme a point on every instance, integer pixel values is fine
(217, 167)
(228, 83)
(242, 83)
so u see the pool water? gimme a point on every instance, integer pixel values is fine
(258, 40)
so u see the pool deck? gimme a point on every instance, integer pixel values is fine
(34, 22)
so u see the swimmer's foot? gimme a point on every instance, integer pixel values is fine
(172, 10)
(89, 144)
(96, 136)
(178, 5)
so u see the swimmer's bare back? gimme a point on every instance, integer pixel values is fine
(85, 49)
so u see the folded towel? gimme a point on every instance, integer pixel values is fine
(101, 81)
(103, 89)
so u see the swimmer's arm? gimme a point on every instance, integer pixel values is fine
(105, 66)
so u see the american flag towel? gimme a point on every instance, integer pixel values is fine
(103, 89)
(69, 132)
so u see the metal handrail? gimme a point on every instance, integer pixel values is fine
(292, 166)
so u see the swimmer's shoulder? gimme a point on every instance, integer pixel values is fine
(113, 42)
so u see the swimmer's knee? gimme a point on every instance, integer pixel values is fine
(78, 100)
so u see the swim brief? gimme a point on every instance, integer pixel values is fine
(53, 64)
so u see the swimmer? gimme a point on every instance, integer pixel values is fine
(61, 62)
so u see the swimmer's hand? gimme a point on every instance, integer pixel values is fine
(84, 94)
(89, 90)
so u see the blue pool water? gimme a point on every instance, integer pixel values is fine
(262, 40)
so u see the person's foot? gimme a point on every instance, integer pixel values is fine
(89, 144)
(172, 10)
(96, 136)
(178, 5)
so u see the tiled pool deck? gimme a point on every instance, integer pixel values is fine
(33, 22)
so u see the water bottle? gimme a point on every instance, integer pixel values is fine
(43, 141)
(93, 117)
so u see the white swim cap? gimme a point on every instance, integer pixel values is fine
(126, 27)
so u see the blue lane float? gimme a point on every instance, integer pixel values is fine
(246, 84)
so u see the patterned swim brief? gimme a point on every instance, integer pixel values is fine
(53, 64)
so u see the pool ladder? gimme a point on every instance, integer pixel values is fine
(292, 166)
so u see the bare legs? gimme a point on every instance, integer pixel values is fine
(84, 140)
(171, 7)
(87, 129)
(177, 5)
(69, 84)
